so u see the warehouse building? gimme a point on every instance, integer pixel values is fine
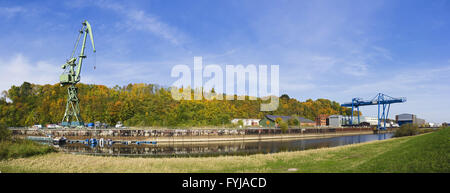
(269, 121)
(341, 120)
(409, 118)
(322, 120)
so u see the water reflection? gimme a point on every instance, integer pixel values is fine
(230, 148)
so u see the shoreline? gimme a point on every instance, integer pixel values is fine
(252, 138)
(215, 139)
(193, 135)
(390, 155)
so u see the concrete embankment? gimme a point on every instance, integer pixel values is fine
(193, 135)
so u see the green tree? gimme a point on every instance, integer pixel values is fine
(278, 120)
(284, 97)
(143, 105)
(293, 121)
(5, 133)
(284, 126)
(241, 123)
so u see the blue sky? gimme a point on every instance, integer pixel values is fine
(325, 49)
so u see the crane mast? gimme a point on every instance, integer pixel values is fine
(72, 115)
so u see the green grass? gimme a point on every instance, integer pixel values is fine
(423, 153)
(420, 153)
(17, 148)
(427, 153)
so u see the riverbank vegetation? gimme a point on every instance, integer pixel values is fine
(421, 153)
(11, 147)
(410, 130)
(142, 105)
(406, 130)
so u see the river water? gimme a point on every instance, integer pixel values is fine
(216, 149)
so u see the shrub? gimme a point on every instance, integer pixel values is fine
(427, 130)
(5, 133)
(284, 127)
(407, 130)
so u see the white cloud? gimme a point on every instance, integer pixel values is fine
(142, 21)
(18, 68)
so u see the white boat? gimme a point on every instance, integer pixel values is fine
(59, 140)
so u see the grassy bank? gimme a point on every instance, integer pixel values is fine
(18, 148)
(422, 153)
(13, 147)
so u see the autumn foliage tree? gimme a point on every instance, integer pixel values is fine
(142, 105)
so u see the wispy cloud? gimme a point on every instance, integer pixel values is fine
(220, 55)
(10, 12)
(137, 19)
(410, 81)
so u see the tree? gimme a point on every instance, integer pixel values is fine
(284, 97)
(278, 120)
(284, 127)
(293, 121)
(5, 133)
(241, 123)
(144, 105)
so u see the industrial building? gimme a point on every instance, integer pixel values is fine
(322, 120)
(341, 120)
(409, 118)
(269, 121)
(247, 122)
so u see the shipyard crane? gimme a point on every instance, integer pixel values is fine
(383, 102)
(71, 77)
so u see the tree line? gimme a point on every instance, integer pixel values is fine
(142, 104)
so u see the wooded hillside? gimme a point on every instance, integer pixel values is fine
(142, 105)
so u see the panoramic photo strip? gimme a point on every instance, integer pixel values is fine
(224, 95)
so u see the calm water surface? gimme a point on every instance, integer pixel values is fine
(214, 149)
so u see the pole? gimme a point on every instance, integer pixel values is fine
(351, 120)
(358, 116)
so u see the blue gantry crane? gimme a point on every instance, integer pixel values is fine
(382, 100)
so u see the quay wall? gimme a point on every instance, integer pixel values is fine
(173, 133)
